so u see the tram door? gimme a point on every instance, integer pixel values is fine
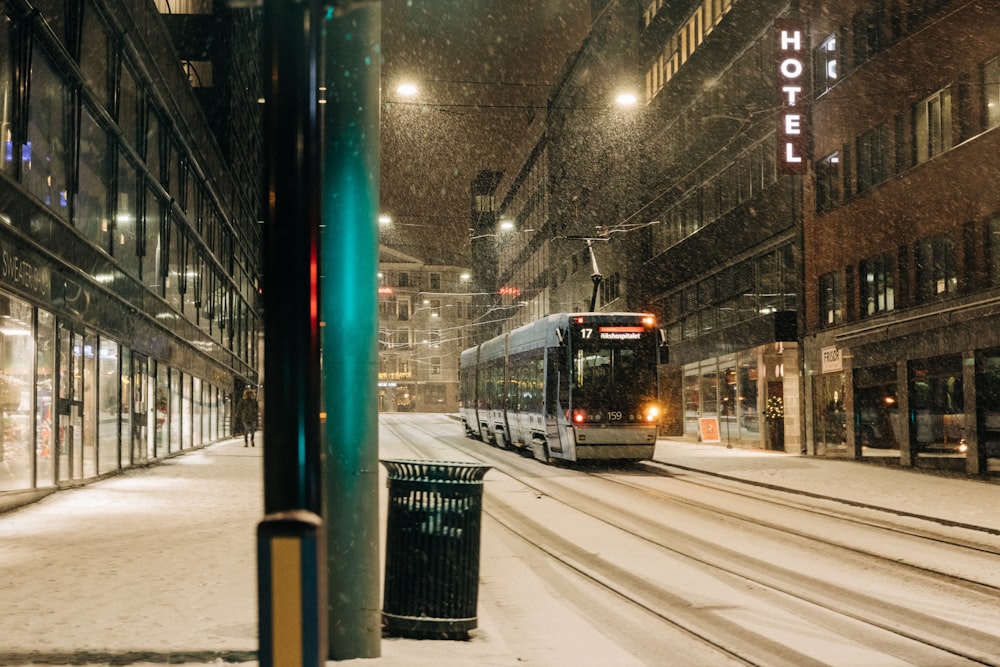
(69, 404)
(556, 397)
(140, 408)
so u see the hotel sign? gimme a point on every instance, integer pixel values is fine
(792, 81)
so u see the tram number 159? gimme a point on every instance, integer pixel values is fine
(614, 415)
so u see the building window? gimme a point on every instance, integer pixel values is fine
(873, 157)
(932, 125)
(825, 66)
(828, 180)
(935, 264)
(993, 249)
(184, 6)
(435, 280)
(831, 298)
(937, 405)
(867, 31)
(44, 155)
(403, 308)
(877, 291)
(199, 73)
(404, 280)
(991, 88)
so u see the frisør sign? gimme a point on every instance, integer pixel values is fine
(792, 80)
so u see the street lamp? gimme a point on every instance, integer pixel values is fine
(626, 99)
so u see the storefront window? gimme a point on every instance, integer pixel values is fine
(17, 350)
(197, 412)
(937, 406)
(89, 398)
(107, 406)
(45, 344)
(749, 410)
(176, 412)
(876, 410)
(162, 389)
(692, 402)
(829, 417)
(728, 401)
(709, 392)
(125, 396)
(988, 400)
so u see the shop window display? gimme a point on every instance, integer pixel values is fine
(17, 351)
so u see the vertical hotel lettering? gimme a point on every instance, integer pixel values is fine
(793, 137)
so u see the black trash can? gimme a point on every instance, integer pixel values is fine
(432, 548)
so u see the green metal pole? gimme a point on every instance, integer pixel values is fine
(348, 288)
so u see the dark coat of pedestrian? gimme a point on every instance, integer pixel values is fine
(245, 417)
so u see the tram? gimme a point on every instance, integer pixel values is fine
(570, 386)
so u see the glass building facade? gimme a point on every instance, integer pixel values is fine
(129, 262)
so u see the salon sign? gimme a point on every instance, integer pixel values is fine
(832, 360)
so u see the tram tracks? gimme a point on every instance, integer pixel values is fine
(874, 619)
(632, 537)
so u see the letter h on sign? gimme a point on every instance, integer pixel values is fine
(793, 135)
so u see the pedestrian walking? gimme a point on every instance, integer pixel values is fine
(245, 417)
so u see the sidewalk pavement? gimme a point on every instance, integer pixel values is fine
(158, 565)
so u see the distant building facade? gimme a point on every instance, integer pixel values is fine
(425, 321)
(902, 234)
(812, 215)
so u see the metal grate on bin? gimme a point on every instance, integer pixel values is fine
(452, 472)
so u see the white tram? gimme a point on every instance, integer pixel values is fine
(570, 386)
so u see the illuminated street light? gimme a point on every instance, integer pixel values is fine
(626, 99)
(406, 89)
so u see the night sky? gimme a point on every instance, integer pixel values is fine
(482, 67)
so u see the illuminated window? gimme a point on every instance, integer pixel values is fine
(877, 293)
(825, 66)
(828, 183)
(184, 6)
(991, 88)
(199, 73)
(932, 125)
(937, 274)
(831, 298)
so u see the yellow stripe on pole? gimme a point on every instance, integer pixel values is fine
(286, 597)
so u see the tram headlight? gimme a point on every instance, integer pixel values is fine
(651, 413)
(579, 416)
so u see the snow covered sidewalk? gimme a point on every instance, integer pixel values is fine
(949, 497)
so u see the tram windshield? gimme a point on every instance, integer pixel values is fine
(614, 376)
